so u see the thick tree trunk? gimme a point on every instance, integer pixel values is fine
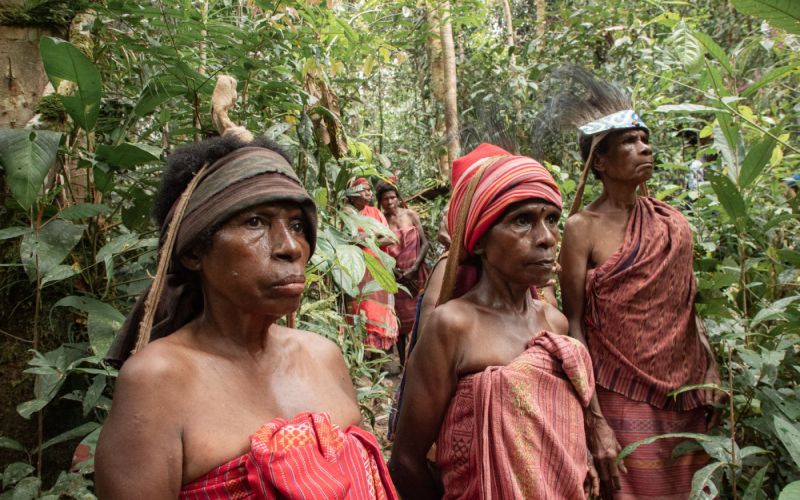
(450, 98)
(435, 59)
(23, 76)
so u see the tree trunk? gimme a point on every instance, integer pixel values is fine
(541, 15)
(450, 98)
(434, 46)
(508, 22)
(23, 76)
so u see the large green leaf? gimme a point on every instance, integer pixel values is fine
(773, 75)
(789, 436)
(685, 47)
(349, 269)
(683, 435)
(11, 444)
(64, 62)
(128, 155)
(26, 156)
(15, 472)
(784, 14)
(380, 274)
(27, 489)
(103, 322)
(756, 159)
(45, 250)
(715, 50)
(790, 492)
(78, 432)
(753, 491)
(729, 197)
(704, 479)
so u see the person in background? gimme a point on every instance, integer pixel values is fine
(628, 290)
(377, 306)
(409, 253)
(218, 399)
(494, 380)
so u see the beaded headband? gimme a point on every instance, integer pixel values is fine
(627, 118)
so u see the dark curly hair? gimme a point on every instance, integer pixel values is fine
(185, 162)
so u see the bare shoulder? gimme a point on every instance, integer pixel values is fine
(578, 230)
(580, 222)
(555, 318)
(315, 344)
(164, 364)
(451, 320)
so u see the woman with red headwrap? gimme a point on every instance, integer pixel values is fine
(494, 380)
(377, 306)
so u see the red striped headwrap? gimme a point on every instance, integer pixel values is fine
(503, 180)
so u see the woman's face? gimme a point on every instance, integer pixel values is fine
(389, 201)
(256, 262)
(362, 198)
(521, 246)
(628, 158)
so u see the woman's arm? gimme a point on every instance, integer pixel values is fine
(575, 254)
(431, 378)
(140, 452)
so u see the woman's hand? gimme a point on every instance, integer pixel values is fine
(605, 449)
(591, 485)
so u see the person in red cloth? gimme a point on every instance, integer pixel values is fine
(218, 400)
(409, 253)
(377, 306)
(494, 380)
(628, 290)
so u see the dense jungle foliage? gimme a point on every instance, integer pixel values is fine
(355, 89)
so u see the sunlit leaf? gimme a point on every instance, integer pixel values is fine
(790, 492)
(784, 14)
(789, 436)
(44, 250)
(27, 156)
(103, 321)
(63, 62)
(756, 159)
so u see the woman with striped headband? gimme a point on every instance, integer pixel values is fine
(218, 400)
(628, 290)
(494, 381)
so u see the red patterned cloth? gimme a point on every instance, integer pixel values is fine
(640, 315)
(652, 472)
(506, 180)
(377, 306)
(308, 458)
(517, 431)
(405, 254)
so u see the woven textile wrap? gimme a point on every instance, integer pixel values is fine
(484, 150)
(505, 180)
(246, 177)
(377, 306)
(652, 472)
(307, 458)
(640, 311)
(517, 431)
(405, 254)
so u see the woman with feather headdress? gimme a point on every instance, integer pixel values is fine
(628, 290)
